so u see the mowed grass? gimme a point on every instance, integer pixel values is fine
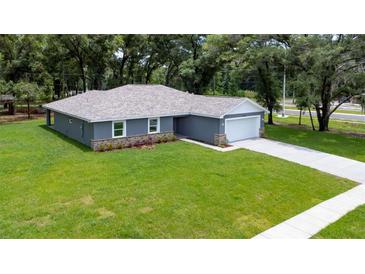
(338, 144)
(53, 187)
(334, 125)
(351, 226)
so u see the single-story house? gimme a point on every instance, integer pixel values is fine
(136, 113)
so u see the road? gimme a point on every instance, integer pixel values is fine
(344, 106)
(336, 116)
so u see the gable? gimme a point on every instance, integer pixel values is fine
(246, 106)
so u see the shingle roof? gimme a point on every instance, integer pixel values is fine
(139, 101)
(7, 97)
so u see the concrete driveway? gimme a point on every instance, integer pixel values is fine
(336, 165)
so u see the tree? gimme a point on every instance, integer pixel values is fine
(265, 58)
(27, 92)
(126, 59)
(362, 102)
(61, 66)
(208, 54)
(303, 86)
(77, 46)
(100, 48)
(330, 67)
(334, 65)
(23, 58)
(3, 87)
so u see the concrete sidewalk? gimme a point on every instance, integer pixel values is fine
(329, 163)
(313, 220)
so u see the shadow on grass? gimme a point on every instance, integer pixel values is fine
(73, 142)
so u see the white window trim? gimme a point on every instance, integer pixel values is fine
(158, 125)
(124, 128)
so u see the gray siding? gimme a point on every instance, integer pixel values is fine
(103, 130)
(137, 127)
(261, 113)
(166, 124)
(73, 130)
(198, 127)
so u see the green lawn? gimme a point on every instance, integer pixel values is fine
(335, 125)
(342, 145)
(53, 187)
(351, 226)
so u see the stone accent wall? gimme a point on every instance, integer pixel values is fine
(220, 139)
(262, 132)
(130, 141)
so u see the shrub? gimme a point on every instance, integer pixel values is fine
(149, 141)
(173, 138)
(138, 143)
(110, 146)
(101, 147)
(119, 146)
(128, 145)
(250, 94)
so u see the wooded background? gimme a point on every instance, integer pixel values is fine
(323, 71)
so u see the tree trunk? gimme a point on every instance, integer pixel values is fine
(130, 79)
(323, 118)
(300, 117)
(12, 108)
(310, 115)
(83, 81)
(148, 75)
(324, 112)
(82, 71)
(168, 73)
(121, 69)
(269, 117)
(28, 108)
(323, 124)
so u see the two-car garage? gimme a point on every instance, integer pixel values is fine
(240, 128)
(244, 121)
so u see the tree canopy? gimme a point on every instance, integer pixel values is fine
(323, 71)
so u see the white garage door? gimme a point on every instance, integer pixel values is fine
(242, 128)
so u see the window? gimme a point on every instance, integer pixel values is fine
(119, 129)
(154, 125)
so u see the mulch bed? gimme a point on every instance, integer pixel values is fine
(224, 146)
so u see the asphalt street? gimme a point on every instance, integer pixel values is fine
(338, 116)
